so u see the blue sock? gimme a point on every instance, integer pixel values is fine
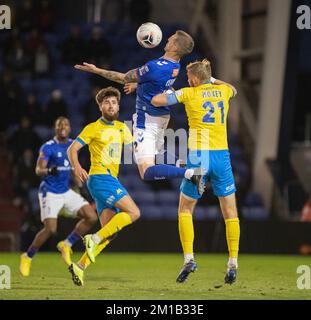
(163, 171)
(72, 238)
(31, 252)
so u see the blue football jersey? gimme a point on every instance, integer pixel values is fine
(155, 77)
(55, 154)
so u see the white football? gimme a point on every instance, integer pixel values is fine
(149, 35)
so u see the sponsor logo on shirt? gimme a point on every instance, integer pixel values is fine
(143, 70)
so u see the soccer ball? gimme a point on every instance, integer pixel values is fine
(149, 35)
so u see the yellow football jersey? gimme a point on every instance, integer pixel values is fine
(207, 107)
(105, 141)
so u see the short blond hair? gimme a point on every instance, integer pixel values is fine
(201, 69)
(184, 42)
(107, 92)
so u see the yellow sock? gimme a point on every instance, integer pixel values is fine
(117, 223)
(233, 236)
(84, 262)
(186, 232)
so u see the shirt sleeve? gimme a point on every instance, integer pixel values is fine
(45, 152)
(182, 95)
(128, 138)
(147, 72)
(230, 93)
(86, 136)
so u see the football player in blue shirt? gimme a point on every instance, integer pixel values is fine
(153, 78)
(55, 193)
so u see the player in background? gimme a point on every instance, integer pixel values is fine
(154, 77)
(116, 209)
(207, 108)
(54, 194)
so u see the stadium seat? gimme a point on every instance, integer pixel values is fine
(255, 213)
(151, 212)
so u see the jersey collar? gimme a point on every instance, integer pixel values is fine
(106, 122)
(168, 59)
(58, 142)
(207, 82)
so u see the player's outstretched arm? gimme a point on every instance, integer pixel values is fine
(159, 100)
(72, 153)
(110, 75)
(219, 82)
(130, 76)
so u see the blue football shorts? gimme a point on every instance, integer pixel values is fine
(218, 170)
(106, 190)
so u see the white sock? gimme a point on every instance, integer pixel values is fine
(188, 257)
(189, 173)
(81, 266)
(67, 243)
(233, 263)
(96, 238)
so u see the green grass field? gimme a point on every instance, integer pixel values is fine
(152, 276)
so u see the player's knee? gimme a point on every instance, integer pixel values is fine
(135, 214)
(90, 215)
(230, 213)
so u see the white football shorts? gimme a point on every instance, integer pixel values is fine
(52, 203)
(148, 134)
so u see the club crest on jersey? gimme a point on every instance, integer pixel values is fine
(175, 72)
(59, 154)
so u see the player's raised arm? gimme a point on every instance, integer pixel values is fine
(130, 76)
(219, 82)
(72, 153)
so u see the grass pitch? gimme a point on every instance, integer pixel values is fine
(152, 276)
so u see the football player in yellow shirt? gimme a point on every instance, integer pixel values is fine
(207, 108)
(116, 209)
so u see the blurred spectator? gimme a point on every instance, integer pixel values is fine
(18, 59)
(9, 42)
(23, 138)
(34, 41)
(32, 109)
(306, 211)
(98, 49)
(42, 61)
(73, 48)
(56, 107)
(114, 11)
(46, 16)
(25, 176)
(90, 110)
(26, 18)
(140, 11)
(10, 93)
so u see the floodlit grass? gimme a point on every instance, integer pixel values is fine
(120, 276)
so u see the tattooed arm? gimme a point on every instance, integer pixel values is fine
(130, 76)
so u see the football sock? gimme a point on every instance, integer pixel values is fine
(72, 239)
(117, 223)
(163, 171)
(84, 262)
(233, 238)
(31, 252)
(186, 234)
